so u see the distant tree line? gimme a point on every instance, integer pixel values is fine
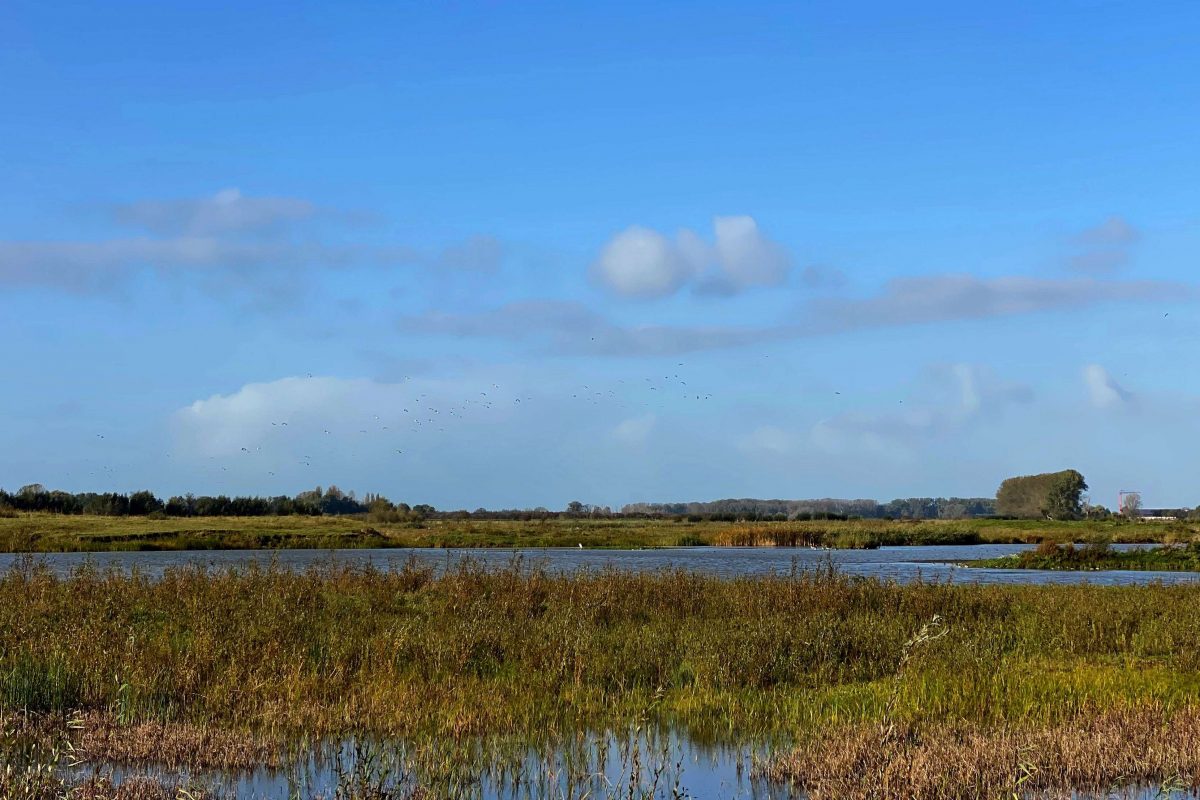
(334, 501)
(315, 502)
(1057, 495)
(825, 508)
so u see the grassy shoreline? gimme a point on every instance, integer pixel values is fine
(41, 532)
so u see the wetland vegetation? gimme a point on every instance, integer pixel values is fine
(46, 532)
(842, 679)
(1099, 556)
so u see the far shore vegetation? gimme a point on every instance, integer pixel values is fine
(41, 532)
(1173, 556)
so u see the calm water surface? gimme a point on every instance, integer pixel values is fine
(933, 563)
(685, 770)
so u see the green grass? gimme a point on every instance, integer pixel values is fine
(1050, 556)
(62, 533)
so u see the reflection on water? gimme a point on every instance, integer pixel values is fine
(935, 563)
(590, 766)
(598, 767)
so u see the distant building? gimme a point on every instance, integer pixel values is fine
(1161, 513)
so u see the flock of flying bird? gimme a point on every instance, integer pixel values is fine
(422, 415)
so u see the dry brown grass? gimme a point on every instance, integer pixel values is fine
(1134, 746)
(173, 745)
(136, 788)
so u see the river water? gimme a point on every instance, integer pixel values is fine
(931, 563)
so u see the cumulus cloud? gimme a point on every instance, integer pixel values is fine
(328, 419)
(1104, 248)
(1103, 390)
(572, 328)
(222, 425)
(745, 257)
(640, 262)
(226, 234)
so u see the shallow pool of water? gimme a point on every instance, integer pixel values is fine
(935, 563)
(666, 767)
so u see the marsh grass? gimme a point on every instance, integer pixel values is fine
(479, 651)
(224, 667)
(42, 532)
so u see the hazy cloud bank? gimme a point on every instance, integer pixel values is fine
(573, 328)
(226, 234)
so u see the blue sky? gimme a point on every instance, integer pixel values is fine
(492, 254)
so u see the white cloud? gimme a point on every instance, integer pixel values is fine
(253, 415)
(745, 256)
(640, 262)
(636, 430)
(1103, 391)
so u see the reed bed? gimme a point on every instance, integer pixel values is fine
(847, 535)
(1141, 746)
(478, 651)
